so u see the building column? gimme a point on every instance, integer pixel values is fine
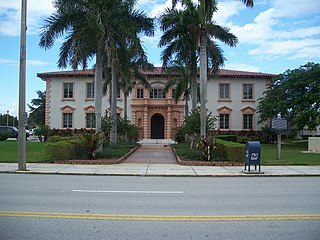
(146, 128)
(168, 133)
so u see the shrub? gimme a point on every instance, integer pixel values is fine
(65, 149)
(191, 126)
(252, 135)
(127, 132)
(184, 151)
(206, 146)
(42, 132)
(92, 142)
(229, 151)
(229, 138)
(4, 136)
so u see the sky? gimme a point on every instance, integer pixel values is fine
(274, 35)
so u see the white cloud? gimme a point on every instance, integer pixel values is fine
(227, 10)
(289, 8)
(30, 63)
(37, 63)
(8, 62)
(307, 52)
(241, 66)
(11, 107)
(273, 32)
(288, 47)
(11, 15)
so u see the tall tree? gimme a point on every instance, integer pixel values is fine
(94, 28)
(296, 95)
(180, 38)
(87, 36)
(37, 109)
(206, 10)
(133, 24)
(180, 80)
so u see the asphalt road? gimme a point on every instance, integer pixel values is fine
(101, 207)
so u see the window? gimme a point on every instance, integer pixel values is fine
(247, 121)
(248, 91)
(224, 91)
(157, 93)
(173, 92)
(140, 93)
(90, 90)
(67, 90)
(67, 120)
(224, 121)
(90, 120)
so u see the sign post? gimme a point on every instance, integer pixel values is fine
(279, 125)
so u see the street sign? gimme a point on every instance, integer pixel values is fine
(279, 125)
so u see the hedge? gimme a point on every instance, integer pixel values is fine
(65, 149)
(229, 151)
(229, 138)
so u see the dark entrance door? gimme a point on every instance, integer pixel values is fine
(157, 126)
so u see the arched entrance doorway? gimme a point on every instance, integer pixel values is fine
(157, 126)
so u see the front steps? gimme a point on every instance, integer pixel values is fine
(156, 141)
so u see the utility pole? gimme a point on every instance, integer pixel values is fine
(7, 118)
(22, 90)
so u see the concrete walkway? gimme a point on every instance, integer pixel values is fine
(153, 154)
(158, 160)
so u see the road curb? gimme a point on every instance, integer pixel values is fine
(160, 175)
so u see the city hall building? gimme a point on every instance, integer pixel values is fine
(232, 96)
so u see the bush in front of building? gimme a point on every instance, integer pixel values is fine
(229, 138)
(127, 132)
(264, 136)
(190, 129)
(67, 148)
(223, 151)
(229, 151)
(184, 151)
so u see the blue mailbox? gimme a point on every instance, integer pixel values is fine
(253, 153)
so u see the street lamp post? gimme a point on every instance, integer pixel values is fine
(22, 90)
(8, 118)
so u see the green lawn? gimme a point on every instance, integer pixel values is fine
(291, 154)
(35, 151)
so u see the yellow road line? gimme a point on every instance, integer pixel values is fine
(137, 217)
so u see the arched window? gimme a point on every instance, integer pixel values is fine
(157, 90)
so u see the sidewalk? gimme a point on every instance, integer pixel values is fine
(145, 169)
(158, 160)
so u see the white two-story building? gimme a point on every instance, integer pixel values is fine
(232, 97)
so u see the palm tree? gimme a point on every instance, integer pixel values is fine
(179, 38)
(206, 8)
(94, 28)
(180, 78)
(133, 24)
(184, 32)
(87, 35)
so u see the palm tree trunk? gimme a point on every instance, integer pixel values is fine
(194, 87)
(186, 107)
(125, 110)
(115, 79)
(203, 81)
(98, 89)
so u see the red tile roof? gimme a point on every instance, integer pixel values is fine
(157, 71)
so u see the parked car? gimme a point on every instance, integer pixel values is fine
(12, 131)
